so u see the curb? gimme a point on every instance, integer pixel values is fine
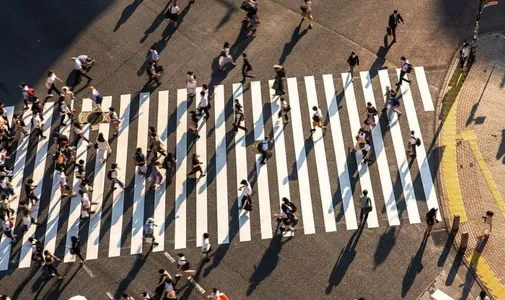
(438, 121)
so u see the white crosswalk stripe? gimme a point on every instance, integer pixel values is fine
(313, 172)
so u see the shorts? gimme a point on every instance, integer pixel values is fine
(174, 17)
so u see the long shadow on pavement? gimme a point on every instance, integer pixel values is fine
(295, 37)
(415, 267)
(127, 13)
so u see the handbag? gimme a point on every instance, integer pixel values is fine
(389, 31)
(303, 8)
(368, 207)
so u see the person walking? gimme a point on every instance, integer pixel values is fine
(197, 166)
(64, 111)
(431, 218)
(154, 57)
(139, 160)
(28, 95)
(67, 93)
(37, 247)
(464, 55)
(75, 248)
(405, 68)
(252, 17)
(394, 20)
(153, 75)
(86, 211)
(97, 98)
(353, 62)
(289, 209)
(183, 267)
(191, 83)
(246, 68)
(225, 57)
(114, 120)
(19, 129)
(393, 103)
(239, 116)
(7, 227)
(149, 231)
(371, 112)
(156, 178)
(306, 8)
(50, 80)
(414, 142)
(155, 145)
(169, 165)
(81, 67)
(367, 151)
(283, 112)
(264, 149)
(487, 227)
(112, 176)
(165, 284)
(78, 130)
(366, 207)
(37, 126)
(278, 85)
(49, 259)
(30, 191)
(246, 193)
(173, 13)
(206, 247)
(317, 120)
(103, 148)
(193, 124)
(204, 105)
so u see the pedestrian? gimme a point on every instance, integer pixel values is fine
(50, 80)
(154, 57)
(246, 68)
(306, 8)
(264, 148)
(289, 209)
(145, 296)
(37, 247)
(75, 248)
(82, 64)
(30, 191)
(97, 98)
(353, 62)
(360, 139)
(112, 176)
(206, 247)
(482, 296)
(239, 116)
(156, 178)
(173, 13)
(366, 207)
(217, 295)
(367, 150)
(280, 75)
(155, 145)
(7, 227)
(317, 120)
(80, 170)
(371, 112)
(197, 166)
(67, 93)
(183, 268)
(169, 165)
(28, 95)
(37, 126)
(139, 160)
(103, 148)
(165, 284)
(19, 129)
(414, 142)
(393, 102)
(3, 115)
(64, 111)
(487, 226)
(405, 68)
(464, 54)
(114, 120)
(78, 130)
(6, 186)
(27, 220)
(284, 110)
(394, 20)
(49, 259)
(154, 75)
(431, 218)
(86, 211)
(246, 195)
(191, 83)
(204, 105)
(252, 16)
(149, 231)
(225, 57)
(193, 124)
(65, 188)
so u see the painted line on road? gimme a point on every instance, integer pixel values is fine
(201, 184)
(301, 159)
(181, 170)
(196, 284)
(169, 257)
(88, 271)
(109, 294)
(422, 83)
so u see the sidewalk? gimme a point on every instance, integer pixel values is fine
(472, 140)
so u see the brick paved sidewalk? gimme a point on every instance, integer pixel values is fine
(473, 162)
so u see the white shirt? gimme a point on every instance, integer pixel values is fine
(85, 201)
(405, 65)
(78, 63)
(103, 145)
(4, 184)
(284, 104)
(205, 244)
(367, 147)
(36, 121)
(149, 227)
(246, 190)
(174, 9)
(62, 178)
(6, 226)
(264, 145)
(63, 109)
(413, 140)
(26, 95)
(94, 94)
(182, 261)
(154, 55)
(204, 102)
(50, 80)
(77, 130)
(307, 4)
(318, 113)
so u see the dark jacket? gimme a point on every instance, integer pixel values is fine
(393, 22)
(353, 61)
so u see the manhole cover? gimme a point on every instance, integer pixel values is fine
(92, 117)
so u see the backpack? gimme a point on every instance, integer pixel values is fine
(409, 68)
(31, 94)
(394, 102)
(109, 174)
(375, 112)
(418, 142)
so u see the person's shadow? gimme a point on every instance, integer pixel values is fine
(127, 13)
(380, 59)
(295, 37)
(415, 267)
(156, 23)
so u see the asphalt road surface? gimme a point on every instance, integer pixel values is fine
(327, 257)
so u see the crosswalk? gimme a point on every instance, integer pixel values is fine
(321, 175)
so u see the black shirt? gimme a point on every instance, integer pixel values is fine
(246, 67)
(140, 159)
(195, 161)
(353, 61)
